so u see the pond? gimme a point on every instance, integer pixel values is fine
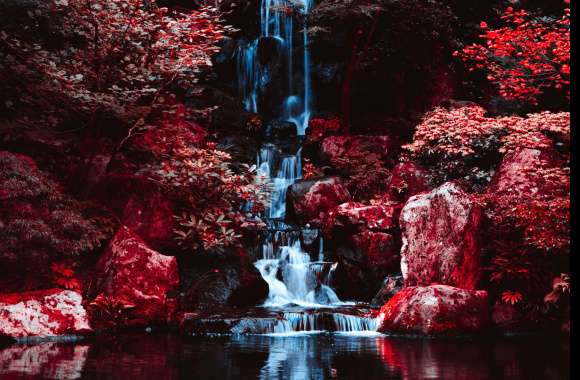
(160, 356)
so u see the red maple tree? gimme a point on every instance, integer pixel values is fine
(527, 56)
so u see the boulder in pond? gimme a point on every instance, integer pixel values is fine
(436, 310)
(43, 313)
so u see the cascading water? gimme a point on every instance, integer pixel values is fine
(277, 22)
(283, 171)
(293, 278)
(302, 282)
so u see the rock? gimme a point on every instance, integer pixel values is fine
(440, 237)
(435, 310)
(337, 148)
(515, 174)
(407, 179)
(364, 260)
(391, 286)
(281, 130)
(309, 200)
(43, 313)
(355, 215)
(228, 279)
(150, 215)
(131, 274)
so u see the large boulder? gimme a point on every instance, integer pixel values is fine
(210, 280)
(435, 310)
(308, 200)
(440, 238)
(42, 313)
(516, 174)
(355, 216)
(140, 281)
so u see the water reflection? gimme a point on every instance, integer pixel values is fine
(43, 361)
(168, 356)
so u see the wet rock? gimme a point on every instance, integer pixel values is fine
(150, 215)
(407, 179)
(131, 274)
(516, 175)
(281, 130)
(435, 310)
(440, 237)
(307, 200)
(264, 321)
(363, 264)
(42, 313)
(391, 286)
(214, 280)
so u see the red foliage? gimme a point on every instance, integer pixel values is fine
(530, 236)
(529, 214)
(525, 57)
(320, 128)
(115, 55)
(460, 132)
(64, 277)
(211, 194)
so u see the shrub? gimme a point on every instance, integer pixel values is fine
(526, 57)
(463, 143)
(76, 59)
(210, 192)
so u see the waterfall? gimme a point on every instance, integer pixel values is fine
(295, 280)
(298, 285)
(283, 171)
(276, 21)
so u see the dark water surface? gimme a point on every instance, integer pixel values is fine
(323, 356)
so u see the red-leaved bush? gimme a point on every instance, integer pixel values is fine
(452, 142)
(529, 236)
(209, 191)
(527, 56)
(85, 57)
